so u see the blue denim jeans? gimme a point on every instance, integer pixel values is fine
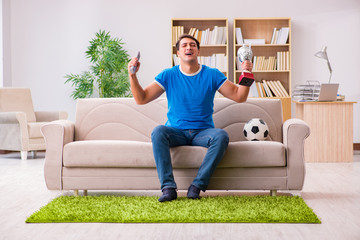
(163, 138)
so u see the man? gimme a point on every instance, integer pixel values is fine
(190, 89)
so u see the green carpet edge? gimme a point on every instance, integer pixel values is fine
(72, 207)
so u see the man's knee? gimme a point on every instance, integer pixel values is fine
(222, 134)
(158, 131)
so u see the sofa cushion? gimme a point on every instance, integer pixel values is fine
(254, 154)
(116, 153)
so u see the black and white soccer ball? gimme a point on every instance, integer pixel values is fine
(256, 129)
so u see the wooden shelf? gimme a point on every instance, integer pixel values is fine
(262, 28)
(251, 28)
(265, 45)
(208, 49)
(267, 71)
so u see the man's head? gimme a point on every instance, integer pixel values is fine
(187, 36)
(188, 49)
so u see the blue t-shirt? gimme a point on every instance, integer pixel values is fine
(190, 97)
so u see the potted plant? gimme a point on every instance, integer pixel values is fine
(108, 76)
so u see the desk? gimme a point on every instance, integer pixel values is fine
(331, 130)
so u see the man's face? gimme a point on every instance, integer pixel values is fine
(188, 50)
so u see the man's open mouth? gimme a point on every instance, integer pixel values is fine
(188, 54)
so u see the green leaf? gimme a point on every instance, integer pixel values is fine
(108, 73)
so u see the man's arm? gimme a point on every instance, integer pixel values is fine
(142, 96)
(238, 93)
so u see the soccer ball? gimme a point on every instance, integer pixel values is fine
(256, 129)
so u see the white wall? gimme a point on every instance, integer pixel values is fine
(48, 39)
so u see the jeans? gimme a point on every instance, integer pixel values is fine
(163, 138)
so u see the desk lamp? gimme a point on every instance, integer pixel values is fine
(323, 54)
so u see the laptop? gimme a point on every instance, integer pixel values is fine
(328, 92)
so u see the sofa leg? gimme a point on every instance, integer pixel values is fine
(85, 193)
(23, 155)
(76, 193)
(273, 193)
(33, 154)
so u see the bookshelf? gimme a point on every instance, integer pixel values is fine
(273, 55)
(214, 50)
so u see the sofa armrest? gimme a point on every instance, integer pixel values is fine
(56, 134)
(48, 116)
(295, 131)
(14, 131)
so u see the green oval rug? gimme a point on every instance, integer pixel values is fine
(139, 209)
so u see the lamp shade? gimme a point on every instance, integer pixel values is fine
(323, 55)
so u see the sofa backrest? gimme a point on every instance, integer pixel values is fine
(17, 100)
(232, 116)
(123, 119)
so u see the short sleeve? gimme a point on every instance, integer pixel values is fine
(220, 79)
(160, 79)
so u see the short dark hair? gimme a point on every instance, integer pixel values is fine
(187, 36)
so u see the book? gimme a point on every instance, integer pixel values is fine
(283, 90)
(264, 64)
(192, 31)
(177, 32)
(258, 88)
(238, 64)
(253, 91)
(180, 32)
(199, 34)
(214, 35)
(224, 35)
(287, 60)
(239, 38)
(283, 61)
(259, 63)
(278, 89)
(262, 91)
(204, 34)
(274, 36)
(217, 60)
(267, 89)
(278, 62)
(254, 63)
(265, 94)
(274, 89)
(175, 59)
(273, 63)
(196, 33)
(283, 35)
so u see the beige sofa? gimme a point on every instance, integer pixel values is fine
(109, 148)
(20, 124)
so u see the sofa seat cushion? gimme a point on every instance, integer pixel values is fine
(254, 154)
(118, 153)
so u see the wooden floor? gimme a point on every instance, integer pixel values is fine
(332, 190)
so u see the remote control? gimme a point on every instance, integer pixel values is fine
(133, 68)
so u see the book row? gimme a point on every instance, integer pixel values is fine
(280, 62)
(218, 60)
(215, 36)
(267, 88)
(279, 36)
